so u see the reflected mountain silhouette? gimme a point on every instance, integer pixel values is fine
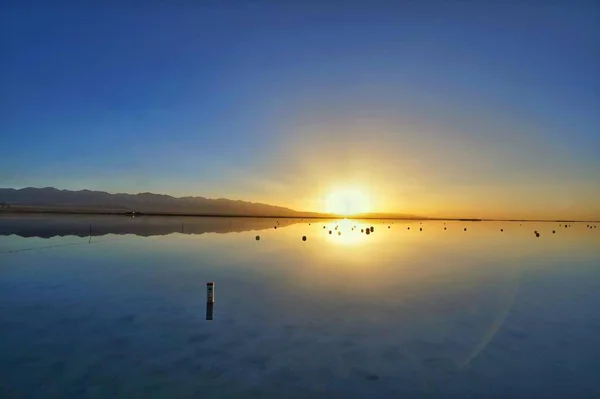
(47, 226)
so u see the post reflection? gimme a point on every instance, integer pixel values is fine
(209, 310)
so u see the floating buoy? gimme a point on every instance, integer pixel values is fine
(257, 238)
(329, 231)
(336, 227)
(368, 231)
(444, 228)
(210, 292)
(465, 229)
(372, 228)
(339, 233)
(501, 229)
(275, 227)
(408, 228)
(553, 232)
(420, 229)
(362, 230)
(537, 234)
(389, 227)
(323, 226)
(303, 238)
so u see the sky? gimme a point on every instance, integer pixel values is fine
(457, 109)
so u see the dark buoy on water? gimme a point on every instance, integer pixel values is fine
(420, 229)
(339, 233)
(329, 231)
(275, 227)
(368, 232)
(408, 228)
(553, 231)
(362, 230)
(537, 234)
(501, 229)
(444, 228)
(303, 238)
(372, 229)
(257, 238)
(465, 229)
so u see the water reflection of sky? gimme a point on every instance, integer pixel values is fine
(438, 312)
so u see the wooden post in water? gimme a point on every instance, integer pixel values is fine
(210, 292)
(210, 299)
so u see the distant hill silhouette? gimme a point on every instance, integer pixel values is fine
(53, 199)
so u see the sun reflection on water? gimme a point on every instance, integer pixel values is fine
(348, 232)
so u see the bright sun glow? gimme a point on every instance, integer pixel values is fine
(347, 202)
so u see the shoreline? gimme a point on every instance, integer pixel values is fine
(311, 217)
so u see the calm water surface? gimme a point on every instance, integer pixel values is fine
(399, 313)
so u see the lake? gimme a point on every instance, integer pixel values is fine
(437, 313)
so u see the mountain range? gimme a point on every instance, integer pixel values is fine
(52, 199)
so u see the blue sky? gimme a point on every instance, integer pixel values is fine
(445, 107)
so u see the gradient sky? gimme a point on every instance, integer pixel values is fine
(442, 109)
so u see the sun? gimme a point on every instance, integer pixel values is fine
(347, 202)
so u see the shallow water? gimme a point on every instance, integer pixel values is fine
(398, 313)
